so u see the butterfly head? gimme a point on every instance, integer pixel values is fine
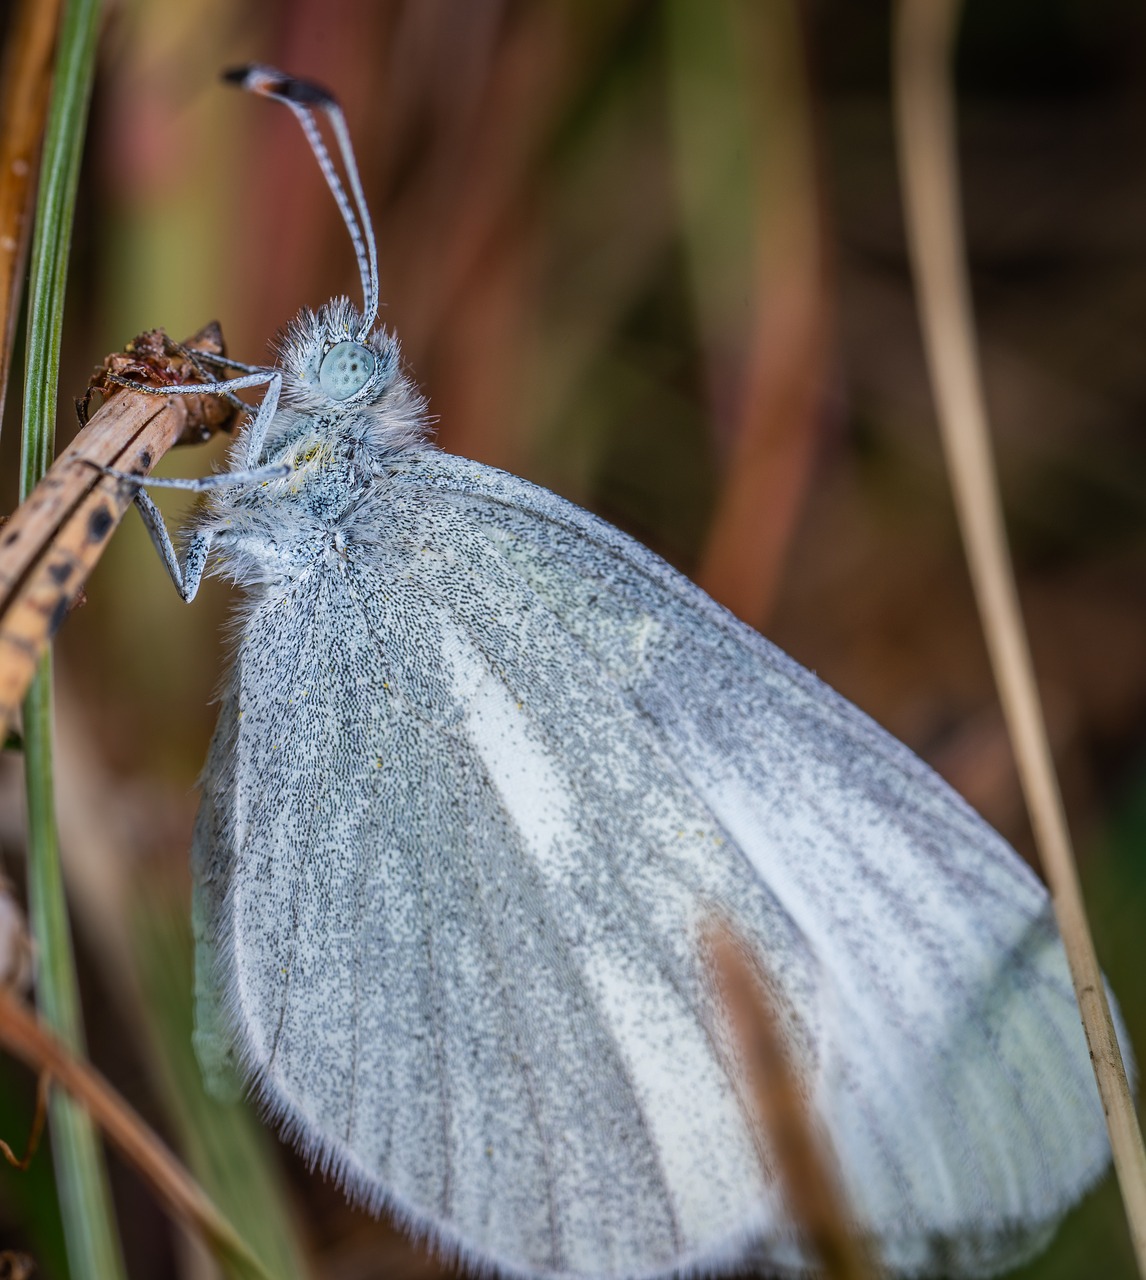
(329, 363)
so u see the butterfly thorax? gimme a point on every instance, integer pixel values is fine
(347, 413)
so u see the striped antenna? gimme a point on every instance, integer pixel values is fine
(305, 99)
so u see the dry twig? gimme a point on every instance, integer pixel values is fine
(53, 540)
(16, 1266)
(43, 1086)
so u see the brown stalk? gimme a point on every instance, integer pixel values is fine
(26, 77)
(795, 1147)
(53, 540)
(43, 1087)
(924, 36)
(22, 1035)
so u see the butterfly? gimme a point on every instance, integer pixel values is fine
(485, 769)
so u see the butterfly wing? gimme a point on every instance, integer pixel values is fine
(454, 863)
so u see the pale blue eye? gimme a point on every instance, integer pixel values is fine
(345, 370)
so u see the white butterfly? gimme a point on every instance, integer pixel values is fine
(484, 769)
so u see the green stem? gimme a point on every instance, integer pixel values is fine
(89, 1223)
(85, 1202)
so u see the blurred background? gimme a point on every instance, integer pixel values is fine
(649, 253)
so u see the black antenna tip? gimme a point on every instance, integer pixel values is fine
(271, 83)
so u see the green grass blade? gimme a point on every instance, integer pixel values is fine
(85, 1202)
(89, 1224)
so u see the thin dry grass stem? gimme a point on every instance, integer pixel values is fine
(924, 36)
(43, 1084)
(26, 77)
(792, 1141)
(22, 1035)
(53, 540)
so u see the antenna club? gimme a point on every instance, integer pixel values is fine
(306, 100)
(269, 82)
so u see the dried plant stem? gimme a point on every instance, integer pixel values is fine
(926, 136)
(795, 1143)
(25, 1038)
(39, 1119)
(25, 79)
(55, 537)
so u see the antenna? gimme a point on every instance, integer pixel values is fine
(305, 99)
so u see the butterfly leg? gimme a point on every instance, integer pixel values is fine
(201, 484)
(256, 432)
(204, 362)
(188, 573)
(200, 358)
(258, 377)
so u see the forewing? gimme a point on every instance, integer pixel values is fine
(455, 857)
(952, 1072)
(457, 934)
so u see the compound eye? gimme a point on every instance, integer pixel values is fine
(345, 370)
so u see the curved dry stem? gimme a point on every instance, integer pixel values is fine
(22, 1035)
(43, 1085)
(925, 131)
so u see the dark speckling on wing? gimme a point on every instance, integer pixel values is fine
(484, 768)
